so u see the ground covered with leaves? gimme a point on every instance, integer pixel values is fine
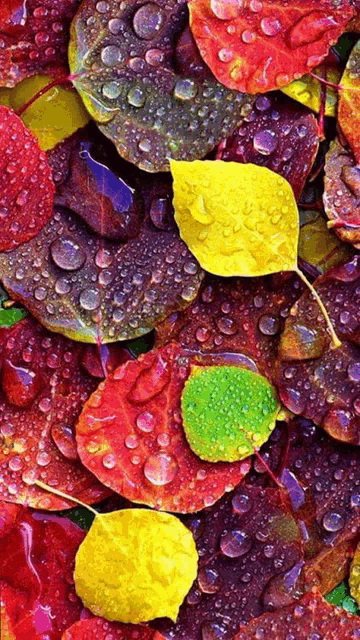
(179, 320)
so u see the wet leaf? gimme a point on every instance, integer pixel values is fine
(42, 391)
(341, 597)
(135, 565)
(132, 84)
(318, 245)
(236, 320)
(26, 185)
(279, 135)
(342, 193)
(308, 90)
(146, 457)
(349, 102)
(36, 563)
(52, 117)
(35, 37)
(94, 289)
(10, 315)
(227, 411)
(100, 629)
(354, 580)
(267, 48)
(311, 617)
(252, 231)
(244, 542)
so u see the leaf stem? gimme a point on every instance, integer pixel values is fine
(41, 92)
(56, 492)
(335, 339)
(338, 87)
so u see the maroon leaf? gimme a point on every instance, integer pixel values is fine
(34, 36)
(240, 319)
(42, 391)
(245, 541)
(36, 565)
(26, 186)
(280, 135)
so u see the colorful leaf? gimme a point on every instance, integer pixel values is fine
(236, 320)
(35, 37)
(227, 411)
(9, 315)
(100, 629)
(279, 135)
(131, 84)
(36, 563)
(342, 193)
(252, 231)
(354, 580)
(245, 542)
(135, 565)
(27, 198)
(52, 117)
(42, 391)
(341, 597)
(309, 90)
(349, 102)
(318, 245)
(312, 617)
(264, 46)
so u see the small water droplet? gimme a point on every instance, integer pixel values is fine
(208, 580)
(241, 503)
(333, 521)
(109, 461)
(270, 26)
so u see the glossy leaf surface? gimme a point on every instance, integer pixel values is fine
(308, 90)
(318, 245)
(100, 629)
(132, 85)
(349, 102)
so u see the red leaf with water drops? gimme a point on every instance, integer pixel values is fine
(260, 46)
(34, 37)
(238, 320)
(247, 543)
(312, 618)
(42, 391)
(277, 134)
(100, 629)
(130, 435)
(37, 558)
(26, 185)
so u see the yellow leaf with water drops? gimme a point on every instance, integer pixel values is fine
(237, 219)
(354, 580)
(135, 565)
(307, 90)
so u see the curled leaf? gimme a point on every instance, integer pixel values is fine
(264, 49)
(135, 565)
(130, 74)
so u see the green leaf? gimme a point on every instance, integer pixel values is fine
(11, 315)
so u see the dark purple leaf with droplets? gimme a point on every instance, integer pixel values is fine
(280, 135)
(136, 83)
(91, 289)
(240, 319)
(322, 476)
(245, 541)
(342, 193)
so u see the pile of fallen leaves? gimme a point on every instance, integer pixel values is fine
(179, 319)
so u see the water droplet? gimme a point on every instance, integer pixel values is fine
(136, 97)
(235, 544)
(109, 461)
(265, 141)
(248, 37)
(354, 371)
(62, 286)
(333, 521)
(67, 254)
(111, 90)
(185, 89)
(226, 9)
(208, 580)
(148, 20)
(131, 441)
(154, 57)
(269, 325)
(163, 440)
(202, 334)
(355, 500)
(102, 6)
(226, 326)
(241, 503)
(212, 631)
(15, 463)
(160, 468)
(270, 26)
(225, 55)
(42, 458)
(90, 299)
(111, 55)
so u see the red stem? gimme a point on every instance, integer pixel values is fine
(338, 87)
(41, 92)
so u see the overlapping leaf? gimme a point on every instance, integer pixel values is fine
(349, 102)
(311, 92)
(342, 193)
(130, 435)
(318, 245)
(26, 186)
(263, 46)
(43, 389)
(131, 81)
(34, 37)
(100, 629)
(237, 320)
(37, 589)
(245, 542)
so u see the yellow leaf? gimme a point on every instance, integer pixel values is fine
(318, 245)
(237, 219)
(354, 580)
(135, 565)
(307, 90)
(52, 117)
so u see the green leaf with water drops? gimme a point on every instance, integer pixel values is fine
(227, 412)
(340, 596)
(129, 73)
(354, 580)
(9, 315)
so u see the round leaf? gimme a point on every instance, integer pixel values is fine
(100, 629)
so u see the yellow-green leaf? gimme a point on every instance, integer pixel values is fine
(52, 117)
(318, 245)
(237, 219)
(354, 580)
(307, 90)
(135, 565)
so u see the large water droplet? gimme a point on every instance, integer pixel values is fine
(354, 371)
(67, 254)
(160, 468)
(241, 503)
(226, 9)
(235, 544)
(265, 141)
(185, 89)
(111, 55)
(269, 325)
(136, 97)
(90, 299)
(148, 21)
(270, 26)
(208, 580)
(333, 521)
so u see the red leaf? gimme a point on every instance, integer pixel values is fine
(130, 436)
(260, 46)
(312, 618)
(26, 185)
(36, 564)
(280, 135)
(42, 391)
(35, 36)
(100, 629)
